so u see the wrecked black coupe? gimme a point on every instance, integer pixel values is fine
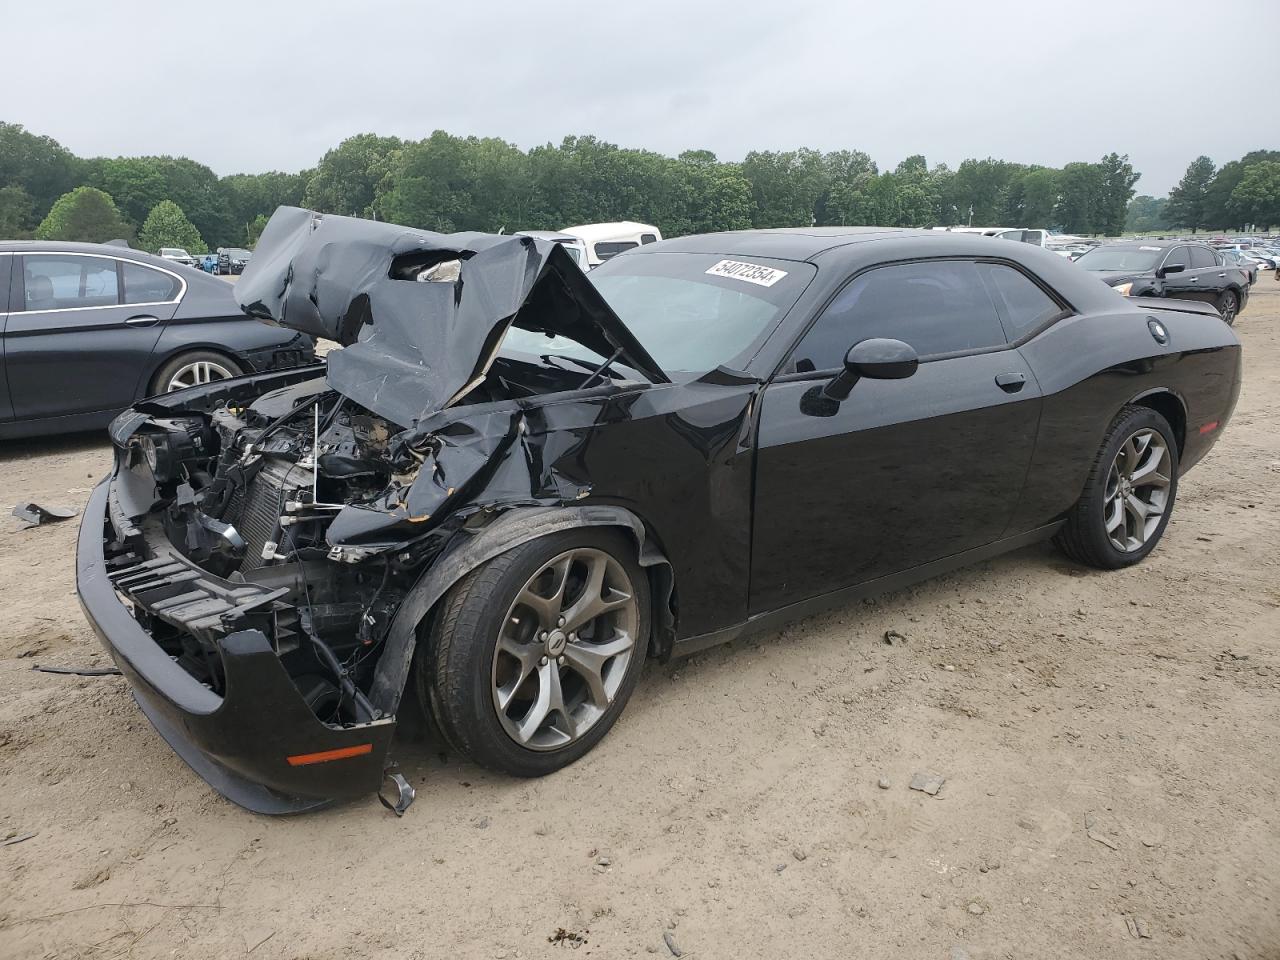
(514, 483)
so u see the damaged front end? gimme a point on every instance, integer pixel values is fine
(250, 556)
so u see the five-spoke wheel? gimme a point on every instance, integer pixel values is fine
(564, 648)
(1137, 489)
(531, 657)
(1129, 495)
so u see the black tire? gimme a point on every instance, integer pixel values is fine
(454, 670)
(1228, 305)
(159, 383)
(1084, 537)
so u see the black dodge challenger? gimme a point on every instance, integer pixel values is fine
(515, 482)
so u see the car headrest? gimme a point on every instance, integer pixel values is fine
(39, 287)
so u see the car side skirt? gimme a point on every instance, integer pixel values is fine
(775, 619)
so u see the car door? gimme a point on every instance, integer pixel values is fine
(80, 331)
(1210, 275)
(1184, 283)
(903, 471)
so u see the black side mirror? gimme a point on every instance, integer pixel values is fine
(1169, 268)
(876, 359)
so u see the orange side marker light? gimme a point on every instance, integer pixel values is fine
(324, 756)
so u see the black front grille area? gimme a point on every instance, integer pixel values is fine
(258, 518)
(176, 591)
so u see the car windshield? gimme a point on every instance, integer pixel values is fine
(575, 252)
(692, 312)
(172, 252)
(238, 253)
(1110, 259)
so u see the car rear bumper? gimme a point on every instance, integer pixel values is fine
(260, 745)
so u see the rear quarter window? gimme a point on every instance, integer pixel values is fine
(1022, 303)
(145, 285)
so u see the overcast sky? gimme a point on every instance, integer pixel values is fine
(264, 85)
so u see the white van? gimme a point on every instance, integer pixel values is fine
(1039, 238)
(605, 240)
(572, 245)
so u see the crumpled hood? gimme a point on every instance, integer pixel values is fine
(421, 315)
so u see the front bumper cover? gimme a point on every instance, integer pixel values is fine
(240, 743)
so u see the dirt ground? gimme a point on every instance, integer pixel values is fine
(1109, 744)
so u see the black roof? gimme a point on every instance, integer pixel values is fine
(782, 243)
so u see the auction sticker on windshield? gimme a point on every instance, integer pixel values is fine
(750, 272)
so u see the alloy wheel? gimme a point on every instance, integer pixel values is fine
(1137, 492)
(1229, 309)
(196, 373)
(564, 649)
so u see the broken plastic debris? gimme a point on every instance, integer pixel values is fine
(80, 671)
(404, 794)
(929, 783)
(37, 513)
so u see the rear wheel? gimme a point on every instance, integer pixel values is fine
(192, 369)
(1228, 305)
(1128, 499)
(533, 655)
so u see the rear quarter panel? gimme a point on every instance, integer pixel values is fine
(1089, 366)
(237, 337)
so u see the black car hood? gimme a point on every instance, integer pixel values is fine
(421, 315)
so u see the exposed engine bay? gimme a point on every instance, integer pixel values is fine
(238, 532)
(246, 495)
(269, 549)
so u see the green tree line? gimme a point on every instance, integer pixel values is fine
(1236, 196)
(449, 183)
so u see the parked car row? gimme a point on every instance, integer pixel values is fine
(1171, 268)
(1176, 268)
(226, 260)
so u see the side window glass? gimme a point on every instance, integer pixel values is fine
(59, 282)
(648, 238)
(937, 307)
(1178, 256)
(611, 248)
(145, 285)
(1202, 257)
(1024, 305)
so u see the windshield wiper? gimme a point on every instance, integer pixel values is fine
(585, 364)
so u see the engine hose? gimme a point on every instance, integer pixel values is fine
(363, 710)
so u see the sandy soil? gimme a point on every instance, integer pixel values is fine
(1109, 743)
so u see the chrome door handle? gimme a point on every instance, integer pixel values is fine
(142, 321)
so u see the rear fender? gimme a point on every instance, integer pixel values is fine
(467, 550)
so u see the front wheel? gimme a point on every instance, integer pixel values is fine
(1128, 499)
(1228, 305)
(532, 656)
